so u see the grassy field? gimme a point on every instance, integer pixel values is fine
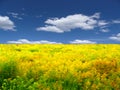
(59, 67)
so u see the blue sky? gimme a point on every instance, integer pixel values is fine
(59, 21)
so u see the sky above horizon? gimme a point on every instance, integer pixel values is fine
(60, 21)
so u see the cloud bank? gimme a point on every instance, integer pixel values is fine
(25, 41)
(77, 41)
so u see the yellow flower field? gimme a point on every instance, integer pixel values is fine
(59, 67)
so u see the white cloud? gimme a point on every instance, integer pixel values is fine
(96, 15)
(51, 29)
(20, 18)
(15, 15)
(23, 41)
(65, 24)
(77, 41)
(76, 21)
(6, 23)
(102, 23)
(116, 21)
(105, 30)
(116, 37)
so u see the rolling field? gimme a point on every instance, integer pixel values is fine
(59, 67)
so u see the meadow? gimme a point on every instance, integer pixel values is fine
(59, 67)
